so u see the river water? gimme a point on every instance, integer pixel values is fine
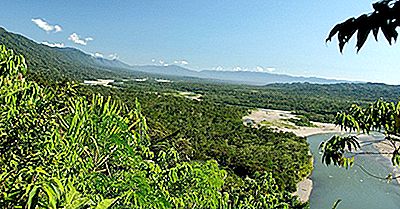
(354, 187)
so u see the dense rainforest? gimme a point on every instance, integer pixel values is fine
(149, 144)
(318, 102)
(74, 146)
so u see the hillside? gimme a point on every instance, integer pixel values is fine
(67, 63)
(59, 63)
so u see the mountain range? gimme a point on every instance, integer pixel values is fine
(74, 63)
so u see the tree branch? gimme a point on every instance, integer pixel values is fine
(375, 176)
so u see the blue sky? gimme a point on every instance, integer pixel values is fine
(284, 37)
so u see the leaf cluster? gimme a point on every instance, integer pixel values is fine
(334, 150)
(380, 116)
(385, 17)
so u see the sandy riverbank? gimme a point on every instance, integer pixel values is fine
(308, 131)
(385, 147)
(304, 189)
(278, 120)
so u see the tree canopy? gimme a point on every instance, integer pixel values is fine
(60, 149)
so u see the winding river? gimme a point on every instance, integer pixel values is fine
(354, 187)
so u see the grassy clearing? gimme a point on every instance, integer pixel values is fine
(279, 124)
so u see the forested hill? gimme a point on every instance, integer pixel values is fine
(53, 62)
(59, 63)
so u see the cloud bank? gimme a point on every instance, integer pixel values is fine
(245, 69)
(98, 54)
(265, 70)
(58, 45)
(113, 56)
(165, 63)
(181, 62)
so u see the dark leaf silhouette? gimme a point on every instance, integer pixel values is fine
(386, 16)
(363, 31)
(375, 31)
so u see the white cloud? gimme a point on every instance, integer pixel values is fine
(245, 69)
(166, 63)
(113, 56)
(270, 69)
(98, 54)
(78, 40)
(57, 28)
(259, 69)
(46, 26)
(219, 68)
(237, 69)
(181, 62)
(59, 45)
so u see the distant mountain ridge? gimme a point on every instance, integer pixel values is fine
(72, 62)
(262, 78)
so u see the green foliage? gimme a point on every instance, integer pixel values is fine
(206, 130)
(34, 150)
(318, 102)
(63, 150)
(203, 130)
(385, 17)
(379, 116)
(260, 192)
(335, 148)
(302, 121)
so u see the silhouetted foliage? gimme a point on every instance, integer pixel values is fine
(385, 17)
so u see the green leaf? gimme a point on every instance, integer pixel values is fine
(32, 197)
(106, 203)
(336, 203)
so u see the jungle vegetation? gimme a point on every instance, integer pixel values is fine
(144, 144)
(65, 146)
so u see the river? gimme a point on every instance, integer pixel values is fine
(355, 188)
